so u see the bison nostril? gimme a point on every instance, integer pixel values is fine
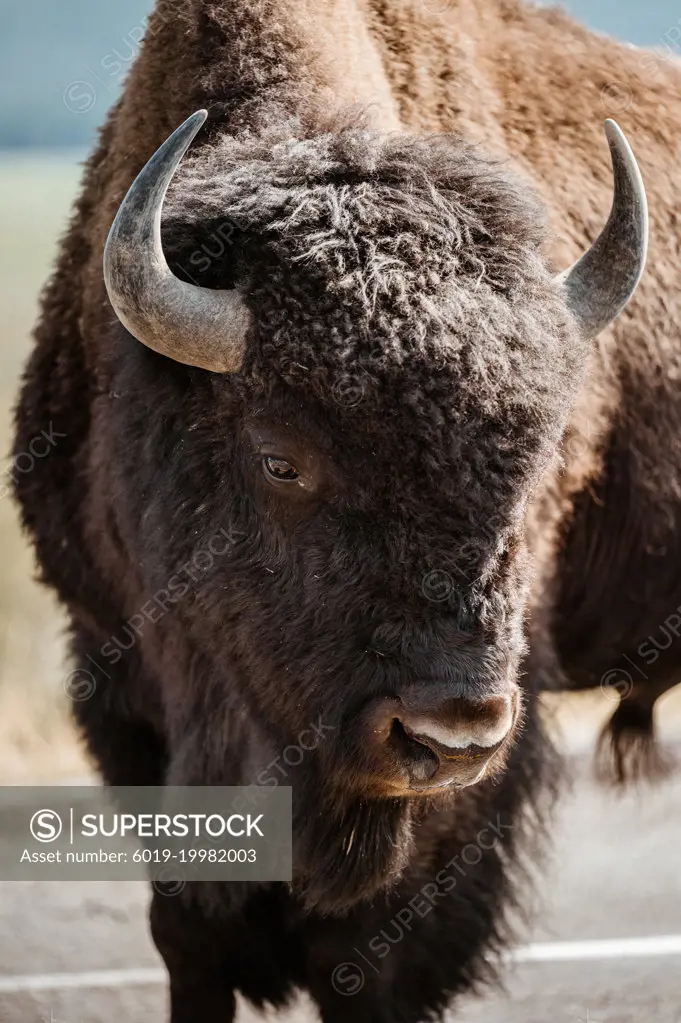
(421, 762)
(420, 741)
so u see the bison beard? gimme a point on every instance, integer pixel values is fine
(346, 850)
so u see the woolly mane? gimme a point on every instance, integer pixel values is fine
(325, 200)
(416, 240)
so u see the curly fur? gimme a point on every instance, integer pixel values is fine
(384, 257)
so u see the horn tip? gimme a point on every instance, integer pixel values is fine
(616, 137)
(195, 121)
(619, 144)
(618, 140)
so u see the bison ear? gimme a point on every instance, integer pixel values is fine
(601, 283)
(193, 325)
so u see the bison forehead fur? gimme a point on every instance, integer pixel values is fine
(405, 270)
(366, 254)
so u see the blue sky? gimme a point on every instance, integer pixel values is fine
(62, 62)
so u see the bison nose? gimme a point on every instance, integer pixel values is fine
(429, 743)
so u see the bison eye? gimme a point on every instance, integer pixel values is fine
(279, 469)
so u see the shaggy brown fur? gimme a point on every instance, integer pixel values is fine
(416, 270)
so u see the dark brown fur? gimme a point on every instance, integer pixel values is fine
(485, 433)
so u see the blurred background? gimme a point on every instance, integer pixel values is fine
(616, 870)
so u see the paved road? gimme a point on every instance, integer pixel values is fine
(616, 875)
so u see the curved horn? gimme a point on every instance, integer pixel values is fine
(601, 283)
(193, 325)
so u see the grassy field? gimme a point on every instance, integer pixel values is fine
(36, 740)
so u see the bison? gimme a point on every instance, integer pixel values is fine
(348, 464)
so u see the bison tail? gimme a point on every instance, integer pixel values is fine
(628, 750)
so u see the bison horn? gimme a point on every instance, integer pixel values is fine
(601, 283)
(208, 329)
(197, 326)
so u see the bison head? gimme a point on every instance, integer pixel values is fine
(386, 364)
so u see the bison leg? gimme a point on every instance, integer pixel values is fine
(194, 954)
(617, 623)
